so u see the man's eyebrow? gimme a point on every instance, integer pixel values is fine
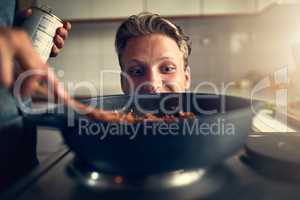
(166, 58)
(134, 60)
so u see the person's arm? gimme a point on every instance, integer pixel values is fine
(17, 141)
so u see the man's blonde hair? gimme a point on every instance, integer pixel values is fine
(146, 23)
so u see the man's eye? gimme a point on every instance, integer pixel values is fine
(167, 69)
(136, 71)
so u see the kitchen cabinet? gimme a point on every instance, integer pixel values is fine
(69, 9)
(174, 7)
(263, 4)
(94, 9)
(289, 1)
(207, 7)
(215, 7)
(116, 9)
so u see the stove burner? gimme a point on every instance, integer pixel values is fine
(274, 154)
(92, 178)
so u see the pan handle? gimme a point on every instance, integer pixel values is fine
(46, 120)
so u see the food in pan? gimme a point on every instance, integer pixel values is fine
(130, 117)
(109, 116)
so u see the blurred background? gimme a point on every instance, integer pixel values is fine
(233, 41)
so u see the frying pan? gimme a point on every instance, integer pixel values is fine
(219, 129)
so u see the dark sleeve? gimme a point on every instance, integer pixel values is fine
(7, 12)
(17, 141)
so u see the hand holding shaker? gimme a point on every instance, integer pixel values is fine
(41, 27)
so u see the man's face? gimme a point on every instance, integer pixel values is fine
(153, 64)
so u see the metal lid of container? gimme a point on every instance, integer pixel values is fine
(46, 9)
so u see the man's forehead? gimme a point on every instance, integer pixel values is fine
(159, 48)
(151, 42)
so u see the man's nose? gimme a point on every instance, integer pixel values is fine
(152, 82)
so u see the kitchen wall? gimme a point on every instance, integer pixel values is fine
(225, 48)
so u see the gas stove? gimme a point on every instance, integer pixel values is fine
(267, 168)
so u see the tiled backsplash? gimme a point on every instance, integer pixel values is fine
(224, 49)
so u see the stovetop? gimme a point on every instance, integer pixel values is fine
(235, 178)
